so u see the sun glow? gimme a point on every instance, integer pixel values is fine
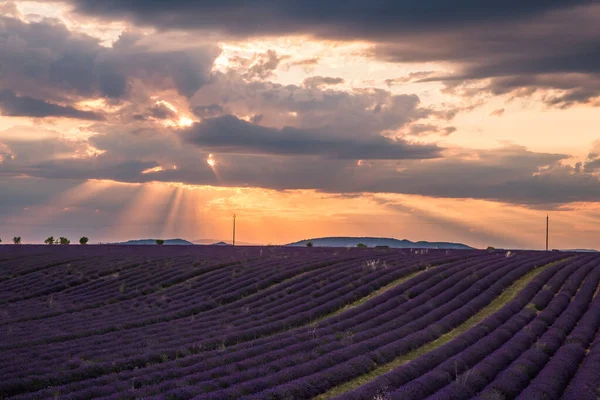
(211, 161)
(179, 121)
(153, 170)
(99, 105)
(159, 168)
(185, 121)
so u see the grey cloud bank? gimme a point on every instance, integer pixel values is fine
(306, 135)
(228, 134)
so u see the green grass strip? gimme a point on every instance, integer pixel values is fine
(496, 304)
(376, 293)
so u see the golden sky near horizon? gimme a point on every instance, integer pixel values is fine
(123, 125)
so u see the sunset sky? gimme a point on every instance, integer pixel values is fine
(464, 121)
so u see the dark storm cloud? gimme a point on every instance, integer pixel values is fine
(510, 174)
(304, 160)
(507, 47)
(354, 19)
(512, 42)
(228, 134)
(23, 106)
(518, 57)
(44, 60)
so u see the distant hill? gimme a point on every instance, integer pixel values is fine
(581, 250)
(373, 241)
(168, 242)
(221, 242)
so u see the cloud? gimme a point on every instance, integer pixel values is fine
(518, 58)
(9, 8)
(24, 147)
(290, 158)
(185, 70)
(228, 134)
(426, 129)
(449, 130)
(207, 111)
(158, 111)
(45, 60)
(315, 81)
(497, 113)
(23, 106)
(305, 62)
(357, 19)
(592, 164)
(419, 129)
(351, 113)
(411, 77)
(95, 168)
(297, 136)
(262, 66)
(511, 174)
(504, 42)
(258, 67)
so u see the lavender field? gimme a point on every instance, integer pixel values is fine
(207, 322)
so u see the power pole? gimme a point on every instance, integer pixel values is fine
(547, 223)
(234, 230)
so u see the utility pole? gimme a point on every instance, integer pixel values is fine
(547, 223)
(234, 230)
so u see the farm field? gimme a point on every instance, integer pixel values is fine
(208, 322)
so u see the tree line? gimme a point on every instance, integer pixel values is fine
(51, 240)
(64, 241)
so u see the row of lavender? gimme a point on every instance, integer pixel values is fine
(223, 303)
(178, 289)
(272, 360)
(533, 348)
(298, 386)
(514, 352)
(383, 337)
